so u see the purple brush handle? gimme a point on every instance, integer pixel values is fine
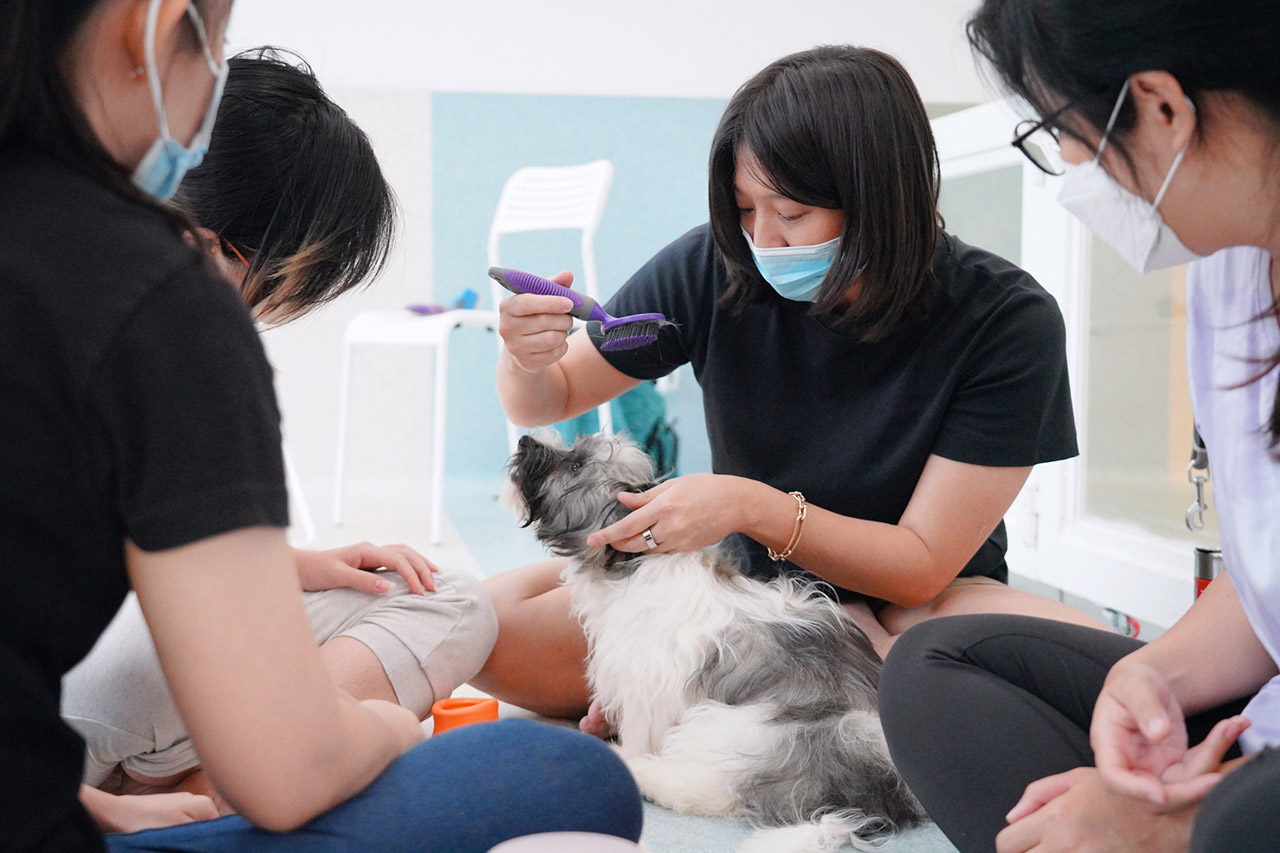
(518, 281)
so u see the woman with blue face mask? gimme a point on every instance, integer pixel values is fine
(876, 391)
(140, 447)
(1168, 116)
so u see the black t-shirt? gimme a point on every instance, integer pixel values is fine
(799, 404)
(135, 403)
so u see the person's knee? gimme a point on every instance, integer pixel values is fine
(590, 790)
(909, 660)
(477, 615)
(1238, 816)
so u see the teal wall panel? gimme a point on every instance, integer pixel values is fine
(659, 149)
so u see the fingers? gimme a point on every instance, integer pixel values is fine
(1206, 756)
(416, 570)
(625, 534)
(1180, 794)
(551, 310)
(635, 500)
(1019, 837)
(1133, 783)
(396, 561)
(1191, 779)
(422, 567)
(1038, 793)
(535, 329)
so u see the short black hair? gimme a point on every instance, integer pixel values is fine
(839, 127)
(1078, 54)
(293, 184)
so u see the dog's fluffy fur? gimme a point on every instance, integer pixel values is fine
(730, 697)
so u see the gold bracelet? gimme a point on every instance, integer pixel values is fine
(798, 529)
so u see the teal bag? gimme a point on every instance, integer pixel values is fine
(642, 414)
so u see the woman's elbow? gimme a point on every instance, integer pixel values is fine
(920, 592)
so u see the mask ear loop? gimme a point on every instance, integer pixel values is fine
(1177, 161)
(153, 69)
(1111, 122)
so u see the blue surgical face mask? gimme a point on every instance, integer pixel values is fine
(167, 160)
(795, 272)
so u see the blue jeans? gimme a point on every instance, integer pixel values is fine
(464, 791)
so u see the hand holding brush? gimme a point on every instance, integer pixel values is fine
(620, 333)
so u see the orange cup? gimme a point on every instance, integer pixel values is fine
(452, 713)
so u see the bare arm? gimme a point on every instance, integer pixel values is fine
(276, 738)
(1190, 655)
(952, 511)
(545, 374)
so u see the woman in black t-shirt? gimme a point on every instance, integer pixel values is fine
(140, 446)
(857, 364)
(289, 239)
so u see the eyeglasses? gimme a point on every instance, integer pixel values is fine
(1035, 152)
(226, 244)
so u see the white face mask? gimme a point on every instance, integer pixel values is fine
(1128, 223)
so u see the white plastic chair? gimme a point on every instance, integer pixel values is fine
(533, 199)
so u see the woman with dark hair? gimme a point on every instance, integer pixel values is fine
(876, 391)
(140, 447)
(1052, 738)
(288, 239)
(291, 190)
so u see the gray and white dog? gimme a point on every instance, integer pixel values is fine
(731, 697)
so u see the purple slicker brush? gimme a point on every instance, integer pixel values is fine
(620, 333)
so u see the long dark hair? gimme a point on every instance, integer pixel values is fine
(1079, 53)
(293, 184)
(37, 106)
(843, 128)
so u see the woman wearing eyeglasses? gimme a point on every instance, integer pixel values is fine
(1052, 738)
(876, 390)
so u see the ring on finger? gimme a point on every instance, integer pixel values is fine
(649, 541)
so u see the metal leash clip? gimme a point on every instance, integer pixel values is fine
(1197, 475)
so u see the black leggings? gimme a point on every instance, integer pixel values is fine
(975, 708)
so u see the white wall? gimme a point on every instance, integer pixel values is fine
(697, 48)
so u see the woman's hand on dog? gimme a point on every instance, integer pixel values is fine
(685, 514)
(535, 329)
(356, 566)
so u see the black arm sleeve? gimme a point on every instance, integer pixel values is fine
(186, 413)
(681, 283)
(1012, 406)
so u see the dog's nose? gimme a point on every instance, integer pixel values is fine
(526, 441)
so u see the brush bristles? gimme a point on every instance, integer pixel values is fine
(630, 336)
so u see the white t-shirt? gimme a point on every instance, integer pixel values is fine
(1228, 343)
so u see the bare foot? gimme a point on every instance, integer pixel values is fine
(860, 612)
(595, 724)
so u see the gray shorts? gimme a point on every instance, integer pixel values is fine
(118, 701)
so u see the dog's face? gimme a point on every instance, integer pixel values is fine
(568, 493)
